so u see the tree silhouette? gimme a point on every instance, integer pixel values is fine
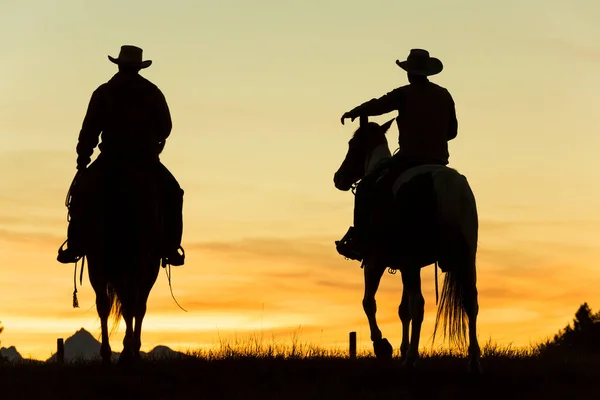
(583, 336)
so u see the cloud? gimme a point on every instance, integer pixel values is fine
(565, 47)
(38, 238)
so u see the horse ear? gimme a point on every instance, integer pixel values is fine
(385, 127)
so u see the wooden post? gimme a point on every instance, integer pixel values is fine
(352, 345)
(60, 351)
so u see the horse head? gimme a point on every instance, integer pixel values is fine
(365, 140)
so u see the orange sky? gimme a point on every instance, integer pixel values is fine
(256, 92)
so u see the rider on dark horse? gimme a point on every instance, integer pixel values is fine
(426, 122)
(132, 115)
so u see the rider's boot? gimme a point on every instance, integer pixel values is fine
(354, 243)
(74, 251)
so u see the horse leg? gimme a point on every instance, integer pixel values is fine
(103, 306)
(404, 314)
(372, 276)
(411, 279)
(137, 331)
(471, 306)
(127, 355)
(140, 313)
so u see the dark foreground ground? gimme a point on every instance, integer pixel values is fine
(534, 377)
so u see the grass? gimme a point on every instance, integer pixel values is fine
(252, 368)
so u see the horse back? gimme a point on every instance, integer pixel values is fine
(123, 209)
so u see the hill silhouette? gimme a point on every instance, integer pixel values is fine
(83, 346)
(10, 354)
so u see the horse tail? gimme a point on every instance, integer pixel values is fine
(116, 308)
(457, 244)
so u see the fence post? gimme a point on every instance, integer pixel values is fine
(352, 345)
(60, 351)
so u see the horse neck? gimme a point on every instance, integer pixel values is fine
(379, 153)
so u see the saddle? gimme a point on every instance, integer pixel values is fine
(403, 217)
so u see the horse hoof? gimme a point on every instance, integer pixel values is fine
(126, 358)
(408, 365)
(475, 369)
(383, 349)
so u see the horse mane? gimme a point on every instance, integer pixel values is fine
(371, 130)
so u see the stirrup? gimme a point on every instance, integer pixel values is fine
(347, 246)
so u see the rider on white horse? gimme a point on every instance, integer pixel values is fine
(426, 122)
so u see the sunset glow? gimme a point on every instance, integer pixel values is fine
(256, 91)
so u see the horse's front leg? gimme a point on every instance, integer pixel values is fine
(411, 279)
(372, 275)
(404, 314)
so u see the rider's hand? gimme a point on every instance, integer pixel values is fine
(350, 115)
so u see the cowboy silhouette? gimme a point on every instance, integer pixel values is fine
(426, 122)
(132, 115)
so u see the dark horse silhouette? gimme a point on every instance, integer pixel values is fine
(430, 217)
(123, 222)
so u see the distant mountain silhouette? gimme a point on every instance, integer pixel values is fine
(10, 354)
(82, 346)
(163, 352)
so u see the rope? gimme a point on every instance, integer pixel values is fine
(168, 273)
(75, 301)
(69, 197)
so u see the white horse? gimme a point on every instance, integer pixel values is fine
(431, 217)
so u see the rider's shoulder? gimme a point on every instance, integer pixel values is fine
(440, 90)
(399, 91)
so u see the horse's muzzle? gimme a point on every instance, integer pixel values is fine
(341, 183)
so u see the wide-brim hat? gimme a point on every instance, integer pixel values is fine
(419, 62)
(131, 56)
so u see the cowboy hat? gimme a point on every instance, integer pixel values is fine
(131, 56)
(420, 63)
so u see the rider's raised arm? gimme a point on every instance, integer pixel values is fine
(453, 121)
(383, 105)
(90, 131)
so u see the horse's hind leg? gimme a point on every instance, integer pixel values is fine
(140, 313)
(404, 314)
(471, 306)
(140, 308)
(103, 306)
(127, 355)
(372, 275)
(411, 279)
